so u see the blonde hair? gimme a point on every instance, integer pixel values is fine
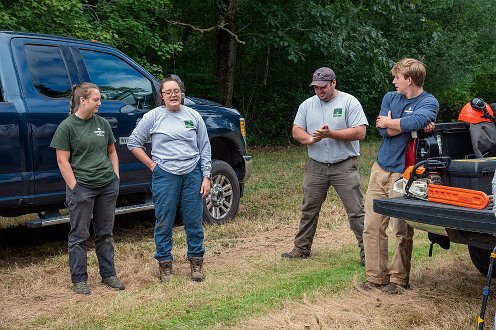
(83, 90)
(410, 68)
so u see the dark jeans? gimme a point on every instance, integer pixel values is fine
(168, 190)
(82, 203)
(345, 179)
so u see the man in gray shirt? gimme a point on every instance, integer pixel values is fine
(330, 124)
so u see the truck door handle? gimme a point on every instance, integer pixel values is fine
(112, 121)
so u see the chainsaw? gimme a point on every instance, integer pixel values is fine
(424, 180)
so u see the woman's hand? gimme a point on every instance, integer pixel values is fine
(205, 187)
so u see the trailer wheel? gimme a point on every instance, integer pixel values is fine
(223, 202)
(480, 259)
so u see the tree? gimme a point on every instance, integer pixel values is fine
(258, 56)
(226, 51)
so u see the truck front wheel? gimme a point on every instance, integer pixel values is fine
(223, 202)
(480, 259)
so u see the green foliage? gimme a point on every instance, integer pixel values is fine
(8, 22)
(284, 42)
(122, 24)
(461, 53)
(292, 39)
(134, 26)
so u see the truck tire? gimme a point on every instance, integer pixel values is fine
(480, 259)
(223, 202)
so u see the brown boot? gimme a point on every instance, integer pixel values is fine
(196, 264)
(296, 253)
(165, 270)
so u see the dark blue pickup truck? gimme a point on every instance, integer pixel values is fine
(36, 75)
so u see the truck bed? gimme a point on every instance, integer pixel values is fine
(437, 214)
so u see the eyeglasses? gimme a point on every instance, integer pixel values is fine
(171, 91)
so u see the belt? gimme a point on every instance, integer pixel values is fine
(352, 157)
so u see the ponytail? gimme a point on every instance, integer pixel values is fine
(83, 90)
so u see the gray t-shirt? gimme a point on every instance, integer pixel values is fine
(179, 139)
(343, 111)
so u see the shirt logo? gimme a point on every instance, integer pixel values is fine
(338, 112)
(99, 132)
(409, 110)
(189, 124)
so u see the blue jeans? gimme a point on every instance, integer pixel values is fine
(168, 190)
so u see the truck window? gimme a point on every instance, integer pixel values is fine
(48, 70)
(118, 80)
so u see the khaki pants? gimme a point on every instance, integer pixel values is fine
(345, 179)
(375, 238)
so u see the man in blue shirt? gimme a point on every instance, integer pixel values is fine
(408, 109)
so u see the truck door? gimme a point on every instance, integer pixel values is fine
(47, 72)
(127, 93)
(11, 168)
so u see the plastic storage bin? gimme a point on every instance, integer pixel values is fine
(476, 174)
(454, 141)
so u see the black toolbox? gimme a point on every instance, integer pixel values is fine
(447, 140)
(453, 140)
(475, 174)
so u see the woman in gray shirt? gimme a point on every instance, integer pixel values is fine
(180, 165)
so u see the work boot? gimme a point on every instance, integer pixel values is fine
(81, 288)
(296, 253)
(113, 282)
(196, 264)
(165, 270)
(394, 288)
(367, 286)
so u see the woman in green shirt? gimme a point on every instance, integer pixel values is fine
(88, 162)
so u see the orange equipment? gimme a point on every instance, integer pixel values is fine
(423, 182)
(476, 111)
(457, 196)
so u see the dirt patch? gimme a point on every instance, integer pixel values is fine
(35, 282)
(444, 295)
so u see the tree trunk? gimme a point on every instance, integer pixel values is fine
(226, 55)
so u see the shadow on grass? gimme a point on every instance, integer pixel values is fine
(24, 246)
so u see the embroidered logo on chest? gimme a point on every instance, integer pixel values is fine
(99, 132)
(188, 124)
(338, 112)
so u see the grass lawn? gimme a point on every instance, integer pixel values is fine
(248, 285)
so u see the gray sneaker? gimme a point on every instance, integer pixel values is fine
(113, 282)
(81, 288)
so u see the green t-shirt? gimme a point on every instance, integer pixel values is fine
(87, 141)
